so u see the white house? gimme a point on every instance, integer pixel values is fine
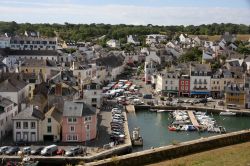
(200, 79)
(184, 38)
(4, 42)
(150, 68)
(8, 110)
(33, 43)
(113, 43)
(155, 38)
(14, 89)
(27, 125)
(92, 94)
(133, 39)
(168, 83)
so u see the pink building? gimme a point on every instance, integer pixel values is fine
(79, 122)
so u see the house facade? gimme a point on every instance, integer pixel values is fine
(92, 94)
(27, 125)
(51, 125)
(79, 122)
(200, 80)
(8, 110)
(184, 86)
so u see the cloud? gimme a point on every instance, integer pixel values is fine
(36, 12)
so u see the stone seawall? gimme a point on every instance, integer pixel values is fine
(205, 109)
(174, 151)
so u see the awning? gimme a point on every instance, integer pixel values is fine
(199, 93)
(170, 91)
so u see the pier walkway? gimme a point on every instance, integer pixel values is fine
(192, 118)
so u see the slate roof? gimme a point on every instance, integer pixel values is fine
(5, 102)
(207, 56)
(29, 113)
(200, 67)
(77, 109)
(34, 63)
(110, 61)
(54, 113)
(12, 84)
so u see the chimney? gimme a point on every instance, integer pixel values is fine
(58, 89)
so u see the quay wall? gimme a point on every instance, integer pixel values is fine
(174, 151)
(195, 108)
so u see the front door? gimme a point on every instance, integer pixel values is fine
(25, 136)
(18, 136)
(33, 137)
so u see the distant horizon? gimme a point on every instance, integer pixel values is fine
(118, 23)
(129, 12)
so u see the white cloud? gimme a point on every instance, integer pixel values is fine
(115, 14)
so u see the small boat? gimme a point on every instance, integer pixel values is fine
(136, 137)
(171, 128)
(161, 111)
(153, 110)
(227, 113)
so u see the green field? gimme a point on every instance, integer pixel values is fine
(236, 155)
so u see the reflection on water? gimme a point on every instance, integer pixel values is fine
(155, 132)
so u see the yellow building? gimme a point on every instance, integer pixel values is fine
(37, 66)
(235, 94)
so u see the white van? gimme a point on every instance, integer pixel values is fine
(49, 150)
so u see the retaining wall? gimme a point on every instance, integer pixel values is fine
(174, 151)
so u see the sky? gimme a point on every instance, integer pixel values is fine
(137, 12)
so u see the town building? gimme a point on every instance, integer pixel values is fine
(92, 94)
(184, 86)
(113, 43)
(52, 125)
(8, 110)
(200, 79)
(133, 40)
(27, 125)
(79, 122)
(235, 94)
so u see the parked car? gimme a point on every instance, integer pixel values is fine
(36, 151)
(3, 149)
(49, 150)
(74, 151)
(60, 152)
(203, 100)
(12, 150)
(26, 150)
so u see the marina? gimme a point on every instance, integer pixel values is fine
(155, 133)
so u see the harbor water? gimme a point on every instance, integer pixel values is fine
(155, 133)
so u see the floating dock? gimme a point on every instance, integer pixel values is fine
(193, 118)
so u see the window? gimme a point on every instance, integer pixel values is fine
(186, 88)
(95, 93)
(94, 100)
(71, 120)
(25, 125)
(87, 127)
(166, 82)
(33, 125)
(49, 120)
(182, 82)
(72, 137)
(88, 87)
(18, 125)
(186, 82)
(182, 87)
(72, 128)
(87, 118)
(48, 129)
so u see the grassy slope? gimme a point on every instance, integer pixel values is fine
(236, 155)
